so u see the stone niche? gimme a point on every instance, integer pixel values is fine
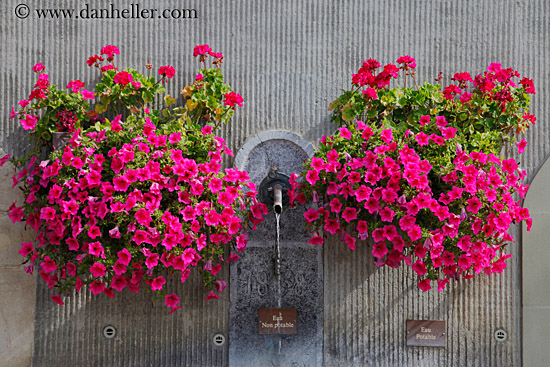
(254, 284)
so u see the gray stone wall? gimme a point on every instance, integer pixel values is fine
(288, 59)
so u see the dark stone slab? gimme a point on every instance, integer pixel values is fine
(254, 286)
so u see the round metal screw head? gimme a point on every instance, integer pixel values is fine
(218, 340)
(501, 335)
(109, 331)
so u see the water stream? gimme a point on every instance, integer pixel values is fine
(278, 272)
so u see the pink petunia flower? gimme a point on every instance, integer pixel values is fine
(157, 283)
(48, 265)
(419, 267)
(440, 121)
(316, 240)
(124, 256)
(171, 300)
(345, 133)
(386, 135)
(96, 287)
(97, 270)
(15, 213)
(425, 285)
(349, 214)
(143, 217)
(312, 177)
(332, 226)
(521, 146)
(119, 282)
(335, 205)
(422, 138)
(26, 249)
(29, 122)
(379, 250)
(441, 283)
(425, 120)
(350, 241)
(57, 299)
(212, 295)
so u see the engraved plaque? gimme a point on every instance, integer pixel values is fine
(277, 321)
(426, 333)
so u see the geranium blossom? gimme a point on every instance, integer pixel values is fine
(201, 50)
(232, 99)
(123, 78)
(110, 51)
(167, 71)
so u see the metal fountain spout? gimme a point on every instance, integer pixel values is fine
(277, 198)
(273, 193)
(273, 190)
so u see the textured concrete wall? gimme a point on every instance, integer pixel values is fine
(17, 298)
(366, 309)
(146, 334)
(289, 59)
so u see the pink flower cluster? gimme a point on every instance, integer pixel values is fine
(110, 51)
(116, 215)
(457, 227)
(204, 50)
(232, 99)
(368, 76)
(41, 95)
(167, 71)
(496, 84)
(66, 121)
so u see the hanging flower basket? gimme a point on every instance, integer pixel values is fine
(132, 199)
(417, 171)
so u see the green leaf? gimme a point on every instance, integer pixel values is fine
(333, 105)
(372, 113)
(147, 96)
(100, 108)
(348, 114)
(169, 100)
(385, 100)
